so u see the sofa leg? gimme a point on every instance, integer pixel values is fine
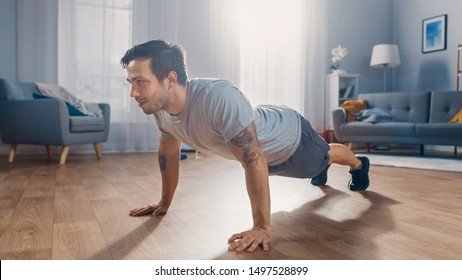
(64, 153)
(368, 147)
(455, 151)
(421, 150)
(49, 152)
(12, 152)
(97, 150)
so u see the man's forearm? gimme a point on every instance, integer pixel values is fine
(169, 168)
(259, 194)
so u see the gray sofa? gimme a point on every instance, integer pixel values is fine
(419, 118)
(46, 121)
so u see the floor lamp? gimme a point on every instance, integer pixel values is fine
(385, 56)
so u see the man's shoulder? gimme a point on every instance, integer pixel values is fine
(278, 109)
(207, 84)
(213, 89)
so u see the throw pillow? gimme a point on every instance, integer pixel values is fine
(374, 115)
(56, 91)
(352, 107)
(72, 110)
(457, 118)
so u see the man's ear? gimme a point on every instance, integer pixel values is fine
(172, 78)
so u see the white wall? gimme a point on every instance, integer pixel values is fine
(8, 39)
(359, 25)
(430, 71)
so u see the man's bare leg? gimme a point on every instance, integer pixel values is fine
(340, 154)
(359, 168)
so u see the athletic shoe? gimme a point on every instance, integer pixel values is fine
(321, 179)
(360, 177)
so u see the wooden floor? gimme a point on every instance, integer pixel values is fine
(80, 211)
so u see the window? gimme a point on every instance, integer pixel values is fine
(93, 38)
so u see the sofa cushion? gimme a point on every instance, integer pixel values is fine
(440, 130)
(444, 106)
(386, 129)
(410, 107)
(86, 124)
(12, 90)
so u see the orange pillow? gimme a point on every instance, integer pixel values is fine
(352, 107)
(457, 118)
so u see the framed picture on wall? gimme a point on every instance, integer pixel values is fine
(434, 33)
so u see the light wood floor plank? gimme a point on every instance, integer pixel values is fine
(72, 205)
(67, 175)
(134, 239)
(40, 185)
(79, 241)
(30, 227)
(97, 187)
(39, 254)
(5, 216)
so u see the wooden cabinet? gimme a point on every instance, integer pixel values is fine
(339, 87)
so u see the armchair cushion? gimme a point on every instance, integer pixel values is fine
(86, 124)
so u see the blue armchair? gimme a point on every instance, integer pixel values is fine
(46, 121)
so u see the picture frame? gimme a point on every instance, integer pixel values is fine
(434, 34)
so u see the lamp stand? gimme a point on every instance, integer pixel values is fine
(383, 147)
(385, 77)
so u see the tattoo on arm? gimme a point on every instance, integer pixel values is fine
(244, 141)
(162, 162)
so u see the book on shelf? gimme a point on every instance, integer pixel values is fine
(349, 92)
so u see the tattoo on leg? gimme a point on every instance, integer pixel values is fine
(162, 162)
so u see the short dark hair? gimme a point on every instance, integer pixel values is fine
(165, 57)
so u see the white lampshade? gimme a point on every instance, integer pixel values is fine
(385, 55)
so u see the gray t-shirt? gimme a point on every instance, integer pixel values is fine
(216, 111)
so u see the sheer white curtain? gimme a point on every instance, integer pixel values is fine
(93, 36)
(274, 50)
(37, 40)
(272, 57)
(316, 62)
